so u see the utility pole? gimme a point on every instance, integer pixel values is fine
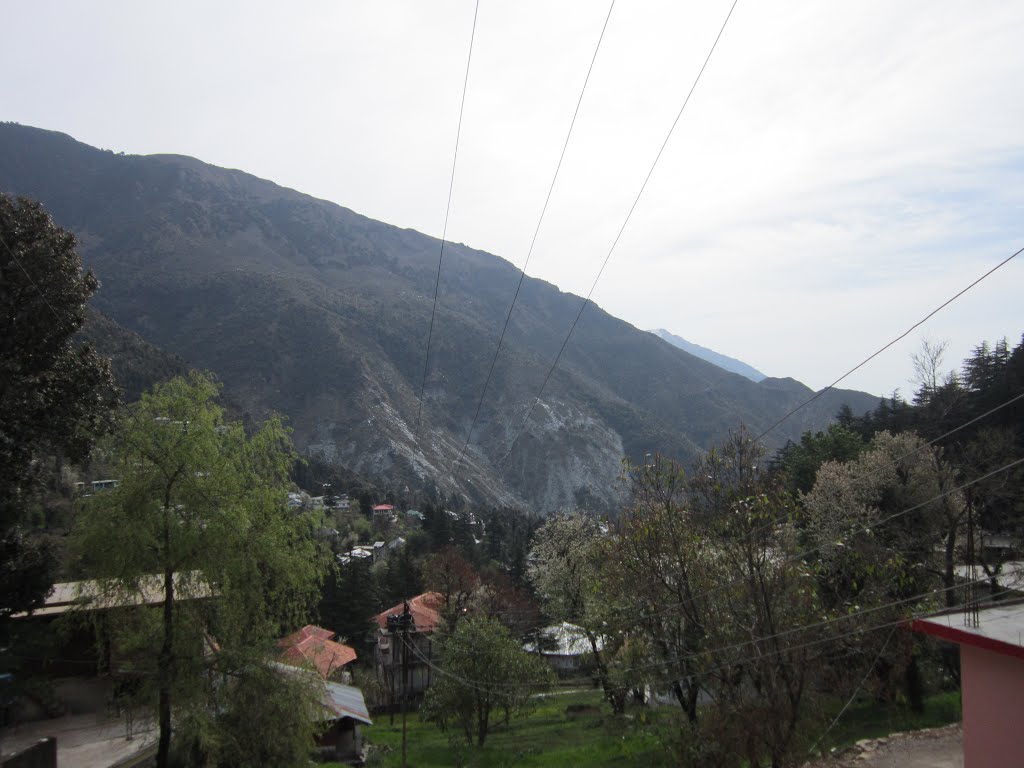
(971, 602)
(398, 628)
(391, 671)
(406, 621)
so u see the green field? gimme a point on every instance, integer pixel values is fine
(548, 737)
(551, 737)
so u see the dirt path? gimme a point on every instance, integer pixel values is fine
(930, 748)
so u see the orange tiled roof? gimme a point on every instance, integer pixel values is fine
(425, 610)
(313, 645)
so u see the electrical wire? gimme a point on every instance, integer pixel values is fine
(879, 470)
(801, 556)
(899, 338)
(929, 593)
(768, 527)
(709, 653)
(533, 241)
(622, 229)
(853, 695)
(807, 553)
(631, 621)
(447, 210)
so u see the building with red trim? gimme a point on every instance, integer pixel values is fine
(991, 680)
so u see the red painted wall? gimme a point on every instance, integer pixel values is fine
(993, 708)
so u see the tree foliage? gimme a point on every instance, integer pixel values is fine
(55, 394)
(448, 573)
(709, 563)
(878, 522)
(484, 671)
(800, 462)
(200, 513)
(567, 553)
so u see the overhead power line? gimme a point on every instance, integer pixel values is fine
(894, 463)
(803, 555)
(755, 641)
(899, 338)
(853, 695)
(864, 529)
(533, 242)
(447, 210)
(622, 229)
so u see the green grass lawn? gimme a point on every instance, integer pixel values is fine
(547, 737)
(551, 738)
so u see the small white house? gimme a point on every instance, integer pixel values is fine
(565, 647)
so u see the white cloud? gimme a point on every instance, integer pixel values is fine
(841, 169)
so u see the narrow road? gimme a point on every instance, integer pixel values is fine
(930, 748)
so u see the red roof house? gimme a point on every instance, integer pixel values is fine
(991, 679)
(425, 610)
(313, 646)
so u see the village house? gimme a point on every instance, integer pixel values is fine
(424, 617)
(383, 512)
(372, 553)
(343, 740)
(88, 685)
(344, 711)
(315, 647)
(991, 644)
(395, 544)
(96, 485)
(565, 647)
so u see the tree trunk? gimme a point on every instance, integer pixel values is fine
(166, 672)
(914, 685)
(482, 724)
(616, 699)
(687, 699)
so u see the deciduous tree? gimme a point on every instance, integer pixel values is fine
(483, 671)
(708, 567)
(201, 516)
(565, 572)
(450, 574)
(884, 528)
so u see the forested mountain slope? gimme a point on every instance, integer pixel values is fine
(307, 308)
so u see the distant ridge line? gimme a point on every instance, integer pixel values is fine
(725, 362)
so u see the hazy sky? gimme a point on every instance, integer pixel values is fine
(841, 170)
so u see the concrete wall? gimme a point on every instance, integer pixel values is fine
(993, 708)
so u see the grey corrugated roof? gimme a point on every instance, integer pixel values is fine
(564, 639)
(347, 701)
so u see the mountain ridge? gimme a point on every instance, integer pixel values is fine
(305, 307)
(704, 353)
